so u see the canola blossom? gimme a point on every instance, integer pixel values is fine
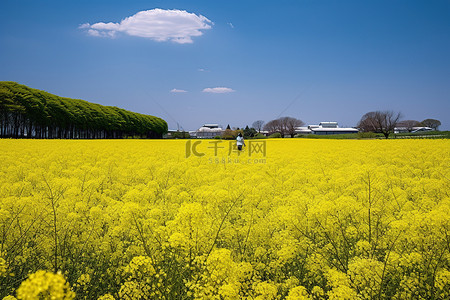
(170, 219)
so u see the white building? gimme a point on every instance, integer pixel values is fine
(303, 130)
(208, 131)
(414, 129)
(325, 128)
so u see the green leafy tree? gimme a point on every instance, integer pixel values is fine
(249, 132)
(27, 112)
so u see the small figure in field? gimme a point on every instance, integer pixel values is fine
(240, 141)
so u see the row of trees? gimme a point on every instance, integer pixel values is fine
(385, 122)
(284, 126)
(410, 124)
(30, 113)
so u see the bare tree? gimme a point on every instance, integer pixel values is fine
(408, 124)
(291, 125)
(258, 125)
(272, 126)
(283, 125)
(278, 125)
(379, 121)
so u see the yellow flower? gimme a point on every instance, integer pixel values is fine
(45, 285)
(298, 293)
(338, 219)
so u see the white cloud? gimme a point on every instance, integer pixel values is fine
(178, 91)
(231, 24)
(160, 25)
(84, 26)
(93, 32)
(218, 90)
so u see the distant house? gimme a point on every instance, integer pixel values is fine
(420, 129)
(414, 129)
(303, 130)
(208, 131)
(325, 128)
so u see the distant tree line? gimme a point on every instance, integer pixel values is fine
(385, 122)
(432, 123)
(284, 126)
(281, 127)
(31, 113)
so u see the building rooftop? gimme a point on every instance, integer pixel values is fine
(334, 129)
(211, 125)
(209, 129)
(329, 124)
(324, 127)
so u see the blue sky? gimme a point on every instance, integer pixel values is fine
(237, 61)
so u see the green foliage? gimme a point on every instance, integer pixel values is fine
(229, 134)
(366, 135)
(424, 134)
(275, 135)
(60, 117)
(249, 132)
(260, 136)
(181, 135)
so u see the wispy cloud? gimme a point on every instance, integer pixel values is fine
(218, 90)
(178, 91)
(231, 24)
(161, 25)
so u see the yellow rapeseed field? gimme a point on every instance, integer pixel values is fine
(177, 219)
